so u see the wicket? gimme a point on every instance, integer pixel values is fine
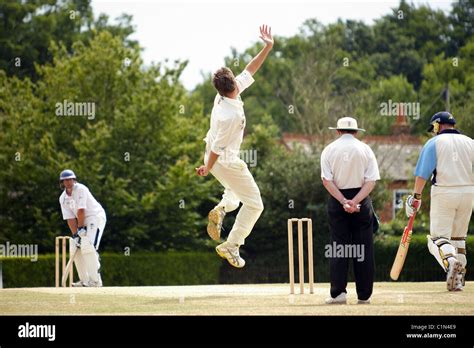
(309, 226)
(65, 241)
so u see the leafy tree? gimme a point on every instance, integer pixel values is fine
(461, 19)
(455, 75)
(372, 101)
(139, 151)
(28, 27)
(137, 154)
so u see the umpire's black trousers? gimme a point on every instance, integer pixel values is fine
(354, 230)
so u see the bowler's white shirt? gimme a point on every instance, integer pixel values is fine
(226, 131)
(349, 163)
(81, 198)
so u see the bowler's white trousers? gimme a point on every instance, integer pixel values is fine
(239, 186)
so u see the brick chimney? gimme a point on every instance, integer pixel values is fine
(400, 126)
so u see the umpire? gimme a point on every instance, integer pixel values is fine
(349, 171)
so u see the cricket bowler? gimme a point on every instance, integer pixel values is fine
(447, 158)
(222, 159)
(86, 220)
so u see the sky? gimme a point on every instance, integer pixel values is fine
(204, 32)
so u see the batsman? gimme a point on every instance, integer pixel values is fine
(447, 159)
(86, 220)
(222, 159)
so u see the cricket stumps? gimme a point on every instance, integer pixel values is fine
(62, 254)
(309, 227)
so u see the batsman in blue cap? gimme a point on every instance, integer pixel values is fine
(447, 160)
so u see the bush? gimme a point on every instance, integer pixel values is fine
(171, 268)
(194, 268)
(420, 265)
(141, 269)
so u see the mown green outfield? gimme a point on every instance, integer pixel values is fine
(427, 298)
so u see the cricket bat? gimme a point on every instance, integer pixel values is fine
(68, 268)
(403, 248)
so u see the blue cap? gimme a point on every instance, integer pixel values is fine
(67, 174)
(441, 117)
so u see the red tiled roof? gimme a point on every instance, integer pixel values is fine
(396, 154)
(377, 139)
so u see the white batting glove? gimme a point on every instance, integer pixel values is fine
(81, 233)
(76, 240)
(412, 205)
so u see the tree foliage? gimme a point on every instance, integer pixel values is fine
(139, 150)
(137, 154)
(29, 26)
(350, 68)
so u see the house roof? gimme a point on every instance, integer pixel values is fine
(396, 154)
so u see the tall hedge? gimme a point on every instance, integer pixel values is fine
(141, 269)
(420, 265)
(193, 268)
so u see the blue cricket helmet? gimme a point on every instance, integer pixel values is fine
(440, 118)
(67, 174)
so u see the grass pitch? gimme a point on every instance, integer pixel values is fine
(428, 298)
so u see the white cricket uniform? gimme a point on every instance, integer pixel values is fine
(447, 158)
(87, 263)
(224, 138)
(95, 217)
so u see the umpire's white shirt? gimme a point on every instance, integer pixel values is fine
(81, 198)
(226, 132)
(349, 163)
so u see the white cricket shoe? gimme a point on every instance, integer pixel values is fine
(363, 301)
(339, 299)
(231, 253)
(214, 226)
(93, 284)
(460, 281)
(87, 284)
(453, 280)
